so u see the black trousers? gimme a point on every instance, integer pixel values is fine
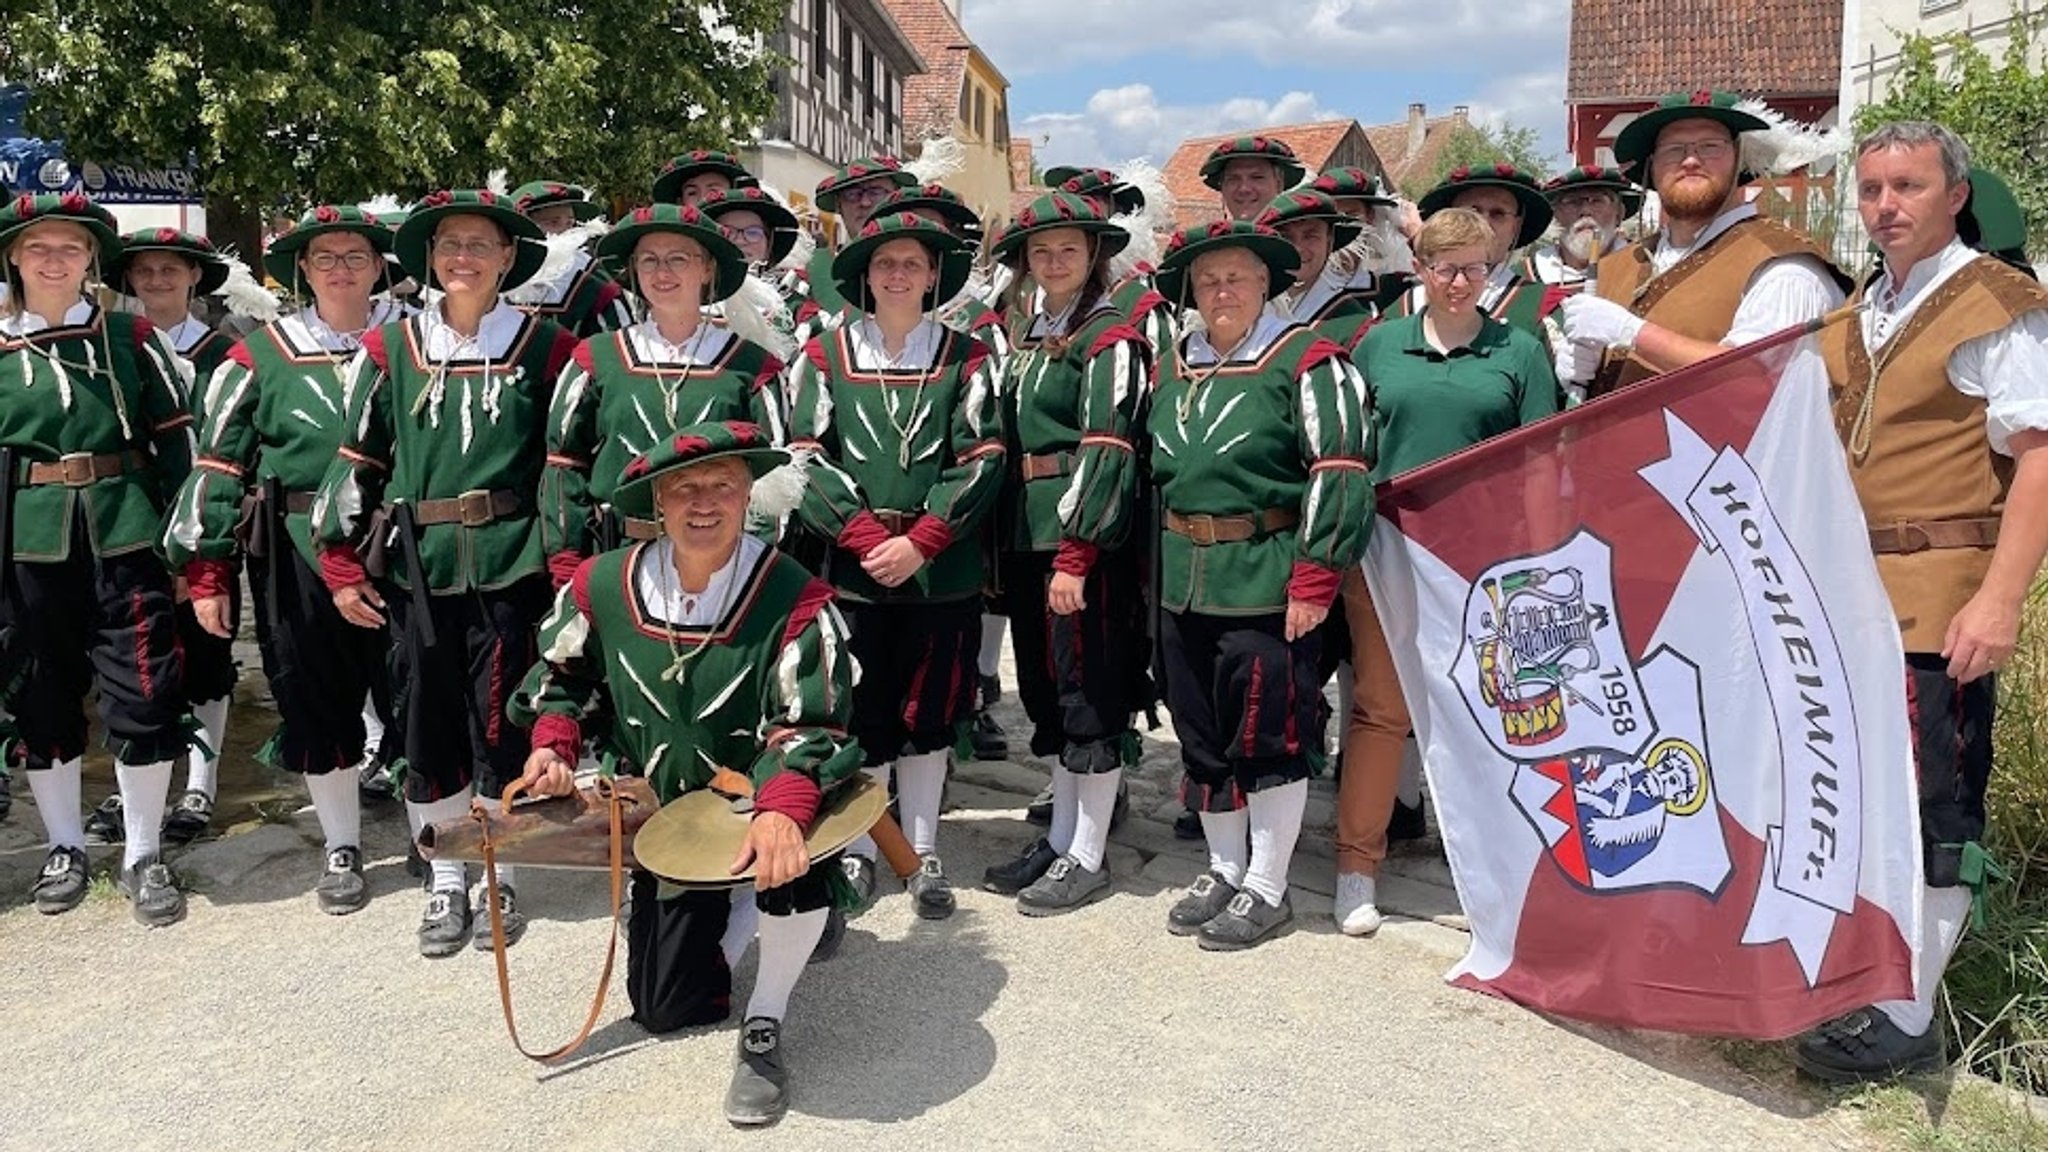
(1952, 751)
(94, 622)
(676, 975)
(917, 674)
(1247, 705)
(319, 666)
(451, 709)
(210, 671)
(1082, 677)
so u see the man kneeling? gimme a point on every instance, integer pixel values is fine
(707, 648)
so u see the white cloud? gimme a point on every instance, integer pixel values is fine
(1378, 35)
(1528, 100)
(1129, 123)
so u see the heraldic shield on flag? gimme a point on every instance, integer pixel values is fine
(1660, 695)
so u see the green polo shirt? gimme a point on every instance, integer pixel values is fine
(1429, 405)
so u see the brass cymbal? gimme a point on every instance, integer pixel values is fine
(694, 839)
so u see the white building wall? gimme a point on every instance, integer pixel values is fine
(1873, 29)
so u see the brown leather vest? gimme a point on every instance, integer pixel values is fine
(1698, 297)
(1919, 455)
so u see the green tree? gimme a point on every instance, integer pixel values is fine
(1481, 145)
(2000, 107)
(284, 102)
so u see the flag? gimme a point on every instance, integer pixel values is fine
(1660, 696)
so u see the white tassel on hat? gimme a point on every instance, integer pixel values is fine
(941, 158)
(495, 183)
(245, 295)
(1785, 146)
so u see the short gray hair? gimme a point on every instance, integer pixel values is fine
(1955, 155)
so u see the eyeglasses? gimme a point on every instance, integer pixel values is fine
(675, 263)
(1707, 150)
(1448, 273)
(751, 234)
(353, 261)
(448, 246)
(869, 193)
(1579, 201)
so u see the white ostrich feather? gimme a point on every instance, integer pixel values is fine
(245, 295)
(777, 494)
(496, 184)
(943, 156)
(757, 313)
(1784, 145)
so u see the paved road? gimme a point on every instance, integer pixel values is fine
(259, 1023)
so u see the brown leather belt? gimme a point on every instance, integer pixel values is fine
(471, 509)
(1205, 530)
(634, 528)
(1921, 535)
(82, 468)
(1047, 466)
(300, 503)
(897, 522)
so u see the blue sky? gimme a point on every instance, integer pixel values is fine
(1107, 81)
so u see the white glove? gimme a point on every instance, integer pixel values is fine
(1576, 362)
(1589, 319)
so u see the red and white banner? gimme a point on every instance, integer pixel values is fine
(1661, 700)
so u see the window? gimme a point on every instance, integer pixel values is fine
(845, 65)
(980, 115)
(821, 12)
(867, 79)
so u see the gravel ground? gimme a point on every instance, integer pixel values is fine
(259, 1023)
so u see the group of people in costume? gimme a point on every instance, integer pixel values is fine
(690, 493)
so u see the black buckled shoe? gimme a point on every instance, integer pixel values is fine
(988, 739)
(444, 929)
(1014, 876)
(931, 897)
(1122, 811)
(760, 1083)
(860, 873)
(62, 884)
(190, 818)
(153, 892)
(379, 781)
(103, 825)
(831, 938)
(341, 889)
(1866, 1047)
(1188, 826)
(1245, 922)
(508, 911)
(1064, 887)
(1406, 824)
(1205, 900)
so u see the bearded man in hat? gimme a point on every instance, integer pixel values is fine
(711, 650)
(1715, 275)
(1949, 456)
(1589, 205)
(570, 287)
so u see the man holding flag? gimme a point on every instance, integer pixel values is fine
(1947, 457)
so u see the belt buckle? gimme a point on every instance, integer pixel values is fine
(474, 507)
(77, 469)
(1201, 530)
(1913, 538)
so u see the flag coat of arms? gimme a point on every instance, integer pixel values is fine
(1660, 696)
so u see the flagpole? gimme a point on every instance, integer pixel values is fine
(1830, 319)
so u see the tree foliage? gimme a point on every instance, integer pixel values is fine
(1998, 106)
(1481, 145)
(290, 101)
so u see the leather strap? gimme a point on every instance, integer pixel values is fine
(82, 468)
(471, 509)
(298, 503)
(896, 522)
(634, 528)
(1205, 530)
(615, 801)
(1921, 535)
(1047, 466)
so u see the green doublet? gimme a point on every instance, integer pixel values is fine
(205, 355)
(766, 689)
(439, 431)
(1288, 430)
(592, 303)
(611, 405)
(1078, 398)
(272, 409)
(1343, 319)
(904, 442)
(109, 384)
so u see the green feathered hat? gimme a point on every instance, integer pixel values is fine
(1188, 244)
(537, 194)
(1268, 148)
(939, 199)
(213, 268)
(1060, 210)
(695, 444)
(866, 168)
(1352, 183)
(1536, 212)
(415, 236)
(1991, 219)
(616, 249)
(1125, 197)
(782, 224)
(1633, 146)
(1308, 204)
(668, 183)
(73, 207)
(1600, 178)
(280, 262)
(850, 267)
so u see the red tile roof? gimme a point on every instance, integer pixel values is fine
(931, 100)
(1402, 154)
(1636, 49)
(1196, 203)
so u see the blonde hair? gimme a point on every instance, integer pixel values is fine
(1450, 229)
